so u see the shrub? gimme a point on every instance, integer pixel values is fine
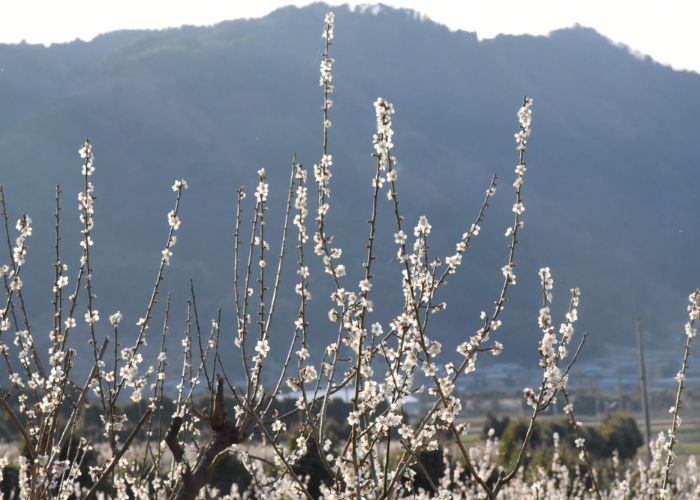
(622, 434)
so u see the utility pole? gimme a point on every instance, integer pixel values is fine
(643, 386)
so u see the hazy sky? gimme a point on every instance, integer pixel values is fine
(666, 30)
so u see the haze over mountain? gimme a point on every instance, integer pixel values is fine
(611, 191)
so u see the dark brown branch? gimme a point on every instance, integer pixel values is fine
(226, 433)
(171, 439)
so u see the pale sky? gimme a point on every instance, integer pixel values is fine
(666, 30)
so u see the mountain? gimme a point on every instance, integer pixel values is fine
(611, 190)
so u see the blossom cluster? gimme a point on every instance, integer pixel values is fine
(86, 198)
(174, 223)
(382, 139)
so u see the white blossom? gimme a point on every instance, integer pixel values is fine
(115, 318)
(173, 220)
(262, 347)
(92, 317)
(180, 185)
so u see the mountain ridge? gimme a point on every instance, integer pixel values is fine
(607, 191)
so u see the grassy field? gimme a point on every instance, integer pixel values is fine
(688, 434)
